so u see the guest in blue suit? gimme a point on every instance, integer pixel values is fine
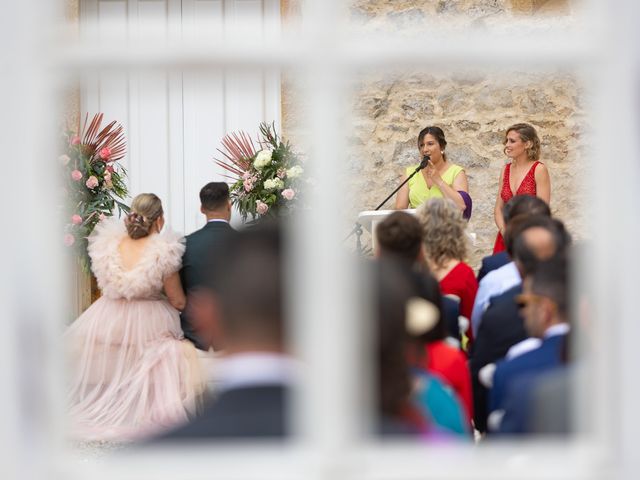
(544, 306)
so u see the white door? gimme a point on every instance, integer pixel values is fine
(175, 121)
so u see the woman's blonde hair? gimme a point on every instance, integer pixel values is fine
(443, 229)
(146, 208)
(527, 134)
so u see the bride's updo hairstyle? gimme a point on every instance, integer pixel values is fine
(146, 208)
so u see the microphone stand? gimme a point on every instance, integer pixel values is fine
(357, 228)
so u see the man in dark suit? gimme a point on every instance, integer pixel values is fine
(518, 205)
(544, 303)
(530, 241)
(245, 316)
(202, 247)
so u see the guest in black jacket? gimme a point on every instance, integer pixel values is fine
(518, 205)
(246, 317)
(203, 248)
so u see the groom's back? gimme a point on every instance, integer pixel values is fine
(199, 263)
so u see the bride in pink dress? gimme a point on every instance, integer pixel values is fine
(133, 375)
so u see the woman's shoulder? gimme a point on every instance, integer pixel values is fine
(167, 249)
(107, 232)
(539, 167)
(455, 169)
(168, 242)
(462, 269)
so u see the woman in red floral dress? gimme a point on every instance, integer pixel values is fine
(524, 175)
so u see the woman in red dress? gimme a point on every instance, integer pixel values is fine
(524, 175)
(445, 245)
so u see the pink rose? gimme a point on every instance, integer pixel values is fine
(288, 193)
(246, 175)
(102, 217)
(75, 140)
(282, 172)
(248, 185)
(105, 153)
(64, 159)
(76, 219)
(107, 176)
(110, 169)
(92, 182)
(69, 239)
(261, 207)
(76, 175)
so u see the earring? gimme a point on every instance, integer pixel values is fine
(441, 152)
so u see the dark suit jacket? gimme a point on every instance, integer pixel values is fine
(492, 262)
(501, 327)
(240, 413)
(540, 403)
(542, 359)
(450, 314)
(197, 262)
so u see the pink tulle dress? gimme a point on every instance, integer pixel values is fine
(133, 375)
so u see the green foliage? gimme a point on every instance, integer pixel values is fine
(270, 180)
(93, 183)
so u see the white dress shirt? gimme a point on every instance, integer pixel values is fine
(254, 369)
(494, 283)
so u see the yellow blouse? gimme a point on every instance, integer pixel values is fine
(418, 190)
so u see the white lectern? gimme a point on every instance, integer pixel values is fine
(370, 219)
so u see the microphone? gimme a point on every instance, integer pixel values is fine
(424, 162)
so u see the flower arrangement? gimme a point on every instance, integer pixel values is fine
(266, 181)
(93, 180)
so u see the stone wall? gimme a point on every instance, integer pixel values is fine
(474, 108)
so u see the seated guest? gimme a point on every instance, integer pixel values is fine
(399, 236)
(518, 205)
(530, 240)
(246, 319)
(445, 244)
(410, 399)
(396, 411)
(544, 303)
(505, 277)
(439, 358)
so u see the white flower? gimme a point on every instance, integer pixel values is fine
(295, 171)
(274, 184)
(263, 158)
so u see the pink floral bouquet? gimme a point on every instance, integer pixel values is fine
(93, 180)
(266, 180)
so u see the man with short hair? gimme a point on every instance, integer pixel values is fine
(244, 315)
(544, 303)
(504, 274)
(531, 240)
(203, 246)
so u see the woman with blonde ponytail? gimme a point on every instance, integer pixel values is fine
(134, 375)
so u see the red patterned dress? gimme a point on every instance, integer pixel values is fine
(527, 187)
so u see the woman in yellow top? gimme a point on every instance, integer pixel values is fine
(440, 179)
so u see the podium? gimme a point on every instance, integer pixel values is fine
(370, 219)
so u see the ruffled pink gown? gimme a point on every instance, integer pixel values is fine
(133, 375)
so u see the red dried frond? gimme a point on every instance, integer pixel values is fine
(89, 136)
(230, 168)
